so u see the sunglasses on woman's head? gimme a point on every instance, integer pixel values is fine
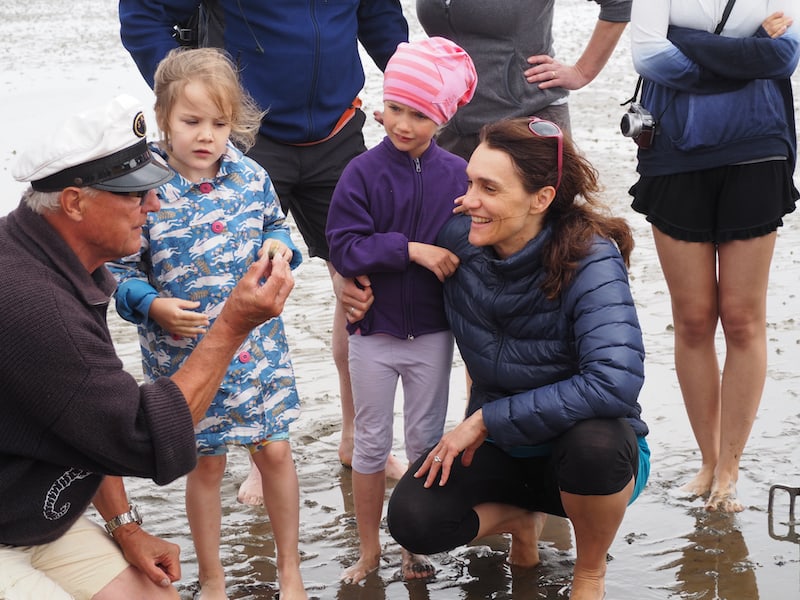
(548, 129)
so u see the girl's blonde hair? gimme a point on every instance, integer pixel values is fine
(213, 68)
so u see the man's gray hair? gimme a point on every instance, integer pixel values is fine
(42, 202)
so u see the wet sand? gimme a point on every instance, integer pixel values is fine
(667, 548)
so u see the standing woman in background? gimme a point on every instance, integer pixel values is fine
(511, 43)
(714, 183)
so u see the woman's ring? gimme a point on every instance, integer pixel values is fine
(437, 459)
(352, 308)
(554, 75)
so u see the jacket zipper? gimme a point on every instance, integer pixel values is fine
(408, 293)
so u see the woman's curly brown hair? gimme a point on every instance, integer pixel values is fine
(576, 214)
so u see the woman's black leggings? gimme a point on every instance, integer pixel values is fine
(597, 457)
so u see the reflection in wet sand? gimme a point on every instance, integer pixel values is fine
(715, 562)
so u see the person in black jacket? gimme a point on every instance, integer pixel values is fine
(543, 315)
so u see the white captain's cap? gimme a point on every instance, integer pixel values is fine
(104, 147)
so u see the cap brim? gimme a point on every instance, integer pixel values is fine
(147, 177)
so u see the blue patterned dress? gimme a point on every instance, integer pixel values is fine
(197, 247)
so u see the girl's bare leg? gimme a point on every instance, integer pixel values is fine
(369, 490)
(204, 511)
(282, 501)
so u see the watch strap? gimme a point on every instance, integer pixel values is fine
(132, 516)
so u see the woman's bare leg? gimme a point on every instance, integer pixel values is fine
(596, 520)
(690, 270)
(743, 274)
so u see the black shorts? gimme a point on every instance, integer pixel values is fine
(734, 202)
(305, 177)
(595, 457)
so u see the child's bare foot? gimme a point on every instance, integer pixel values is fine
(395, 468)
(723, 498)
(346, 451)
(251, 491)
(524, 551)
(359, 571)
(701, 484)
(416, 566)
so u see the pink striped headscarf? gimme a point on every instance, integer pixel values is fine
(433, 76)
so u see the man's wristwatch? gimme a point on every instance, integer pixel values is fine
(132, 516)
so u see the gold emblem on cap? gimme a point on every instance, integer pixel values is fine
(139, 126)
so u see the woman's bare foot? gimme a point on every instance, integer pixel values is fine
(524, 551)
(251, 492)
(701, 484)
(212, 589)
(416, 566)
(723, 498)
(291, 584)
(359, 571)
(588, 586)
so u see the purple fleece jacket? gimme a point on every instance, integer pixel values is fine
(384, 200)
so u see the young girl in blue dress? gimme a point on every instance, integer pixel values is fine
(217, 214)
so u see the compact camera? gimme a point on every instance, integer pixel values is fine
(638, 124)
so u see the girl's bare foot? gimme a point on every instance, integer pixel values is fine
(359, 571)
(701, 484)
(346, 451)
(723, 498)
(416, 566)
(524, 551)
(251, 492)
(395, 468)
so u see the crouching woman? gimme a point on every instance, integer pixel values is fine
(542, 312)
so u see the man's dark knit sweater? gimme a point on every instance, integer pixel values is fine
(69, 413)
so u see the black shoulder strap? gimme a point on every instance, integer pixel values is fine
(725, 14)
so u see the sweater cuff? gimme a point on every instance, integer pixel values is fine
(171, 429)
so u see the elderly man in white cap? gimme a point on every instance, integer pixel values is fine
(72, 421)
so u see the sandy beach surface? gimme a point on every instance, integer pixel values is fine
(57, 57)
